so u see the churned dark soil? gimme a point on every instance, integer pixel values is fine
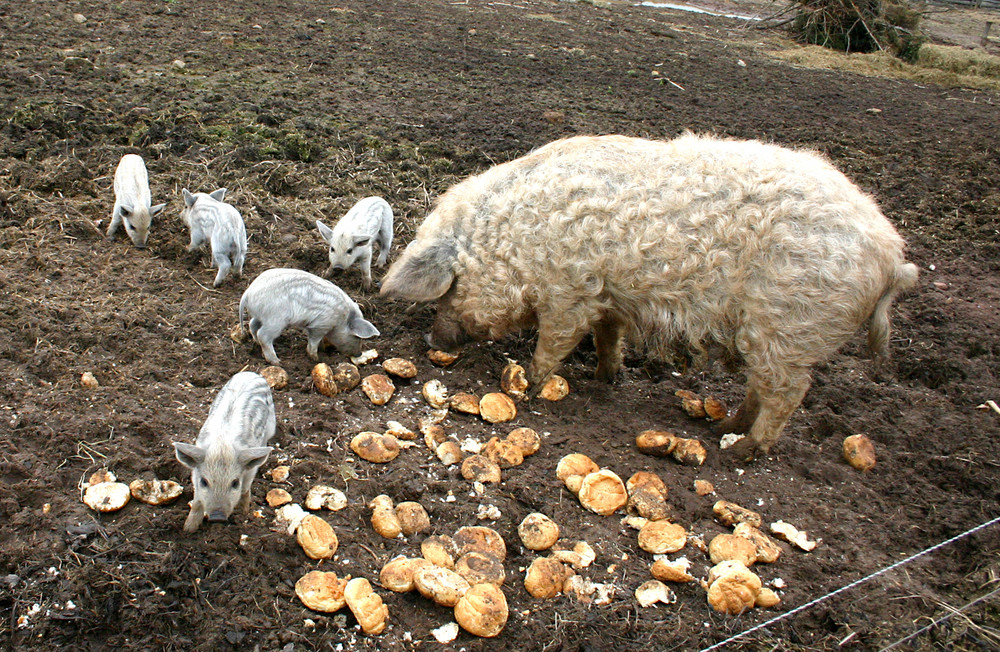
(300, 108)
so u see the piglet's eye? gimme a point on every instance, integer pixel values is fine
(204, 483)
(350, 250)
(236, 484)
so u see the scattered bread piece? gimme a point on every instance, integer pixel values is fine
(449, 452)
(503, 452)
(347, 376)
(441, 358)
(538, 531)
(435, 393)
(278, 497)
(545, 577)
(794, 536)
(656, 442)
(689, 452)
(732, 589)
(526, 440)
(366, 605)
(653, 591)
(514, 381)
(691, 403)
(603, 492)
(397, 575)
(107, 496)
(482, 611)
(412, 517)
(384, 519)
(400, 367)
(767, 550)
(497, 408)
(580, 556)
(480, 469)
(573, 468)
(321, 591)
(859, 451)
(726, 547)
(155, 492)
(767, 599)
(715, 408)
(647, 496)
(442, 585)
(399, 431)
(555, 389)
(480, 568)
(276, 377)
(661, 537)
(439, 550)
(465, 402)
(378, 388)
(481, 539)
(729, 513)
(375, 447)
(323, 380)
(317, 538)
(703, 487)
(672, 571)
(322, 496)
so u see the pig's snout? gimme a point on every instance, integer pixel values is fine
(337, 268)
(217, 516)
(450, 346)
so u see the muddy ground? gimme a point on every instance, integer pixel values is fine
(300, 108)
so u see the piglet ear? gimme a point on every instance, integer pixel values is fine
(361, 240)
(363, 328)
(218, 195)
(155, 210)
(251, 458)
(189, 199)
(325, 232)
(188, 455)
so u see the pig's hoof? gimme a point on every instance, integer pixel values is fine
(746, 450)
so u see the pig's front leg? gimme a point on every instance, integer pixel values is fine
(195, 516)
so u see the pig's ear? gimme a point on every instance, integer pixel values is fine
(218, 195)
(251, 458)
(189, 199)
(155, 210)
(363, 328)
(361, 240)
(188, 455)
(325, 232)
(423, 275)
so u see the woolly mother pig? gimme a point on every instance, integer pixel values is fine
(767, 254)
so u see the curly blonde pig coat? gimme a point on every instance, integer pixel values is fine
(769, 253)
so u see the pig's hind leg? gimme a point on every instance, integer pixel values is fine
(265, 336)
(222, 262)
(608, 342)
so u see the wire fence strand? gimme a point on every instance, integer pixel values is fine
(848, 587)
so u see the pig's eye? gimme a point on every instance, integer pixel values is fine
(204, 483)
(350, 250)
(236, 484)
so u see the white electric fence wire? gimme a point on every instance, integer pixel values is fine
(812, 603)
(940, 620)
